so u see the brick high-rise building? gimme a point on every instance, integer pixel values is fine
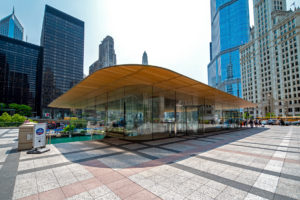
(270, 61)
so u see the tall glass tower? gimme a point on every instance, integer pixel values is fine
(63, 42)
(230, 28)
(11, 27)
(21, 66)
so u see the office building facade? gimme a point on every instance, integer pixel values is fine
(230, 28)
(11, 27)
(21, 73)
(270, 61)
(63, 42)
(107, 55)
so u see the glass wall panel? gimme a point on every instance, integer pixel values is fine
(138, 111)
(163, 113)
(116, 115)
(141, 112)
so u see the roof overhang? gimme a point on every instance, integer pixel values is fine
(111, 78)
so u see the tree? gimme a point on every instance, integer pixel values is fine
(246, 115)
(5, 117)
(18, 118)
(270, 115)
(21, 109)
(2, 106)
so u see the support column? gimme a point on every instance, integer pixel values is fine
(175, 111)
(152, 112)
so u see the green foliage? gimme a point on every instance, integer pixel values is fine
(79, 123)
(21, 109)
(270, 115)
(5, 117)
(2, 106)
(18, 118)
(6, 120)
(245, 115)
(32, 121)
(69, 128)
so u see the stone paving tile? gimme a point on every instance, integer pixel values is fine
(163, 141)
(211, 192)
(134, 146)
(123, 161)
(159, 153)
(144, 194)
(198, 196)
(231, 193)
(110, 196)
(91, 183)
(81, 196)
(272, 169)
(99, 191)
(179, 147)
(215, 185)
(110, 178)
(254, 197)
(56, 194)
(171, 196)
(128, 190)
(73, 189)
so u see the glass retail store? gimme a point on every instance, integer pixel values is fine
(148, 102)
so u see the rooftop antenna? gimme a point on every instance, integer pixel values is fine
(13, 10)
(26, 38)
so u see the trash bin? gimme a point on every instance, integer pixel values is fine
(26, 136)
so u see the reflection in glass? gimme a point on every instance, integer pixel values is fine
(146, 112)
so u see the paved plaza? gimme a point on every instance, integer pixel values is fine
(258, 163)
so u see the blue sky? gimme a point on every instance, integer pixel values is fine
(175, 33)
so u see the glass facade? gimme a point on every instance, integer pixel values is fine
(11, 27)
(20, 73)
(148, 112)
(230, 28)
(63, 42)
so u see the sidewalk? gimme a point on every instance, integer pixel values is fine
(258, 163)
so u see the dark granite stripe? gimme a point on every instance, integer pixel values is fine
(205, 140)
(9, 137)
(264, 148)
(134, 151)
(159, 147)
(287, 176)
(272, 145)
(8, 174)
(4, 133)
(235, 184)
(64, 154)
(68, 163)
(87, 159)
(68, 153)
(7, 145)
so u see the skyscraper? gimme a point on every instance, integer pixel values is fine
(145, 58)
(270, 61)
(107, 55)
(20, 73)
(63, 41)
(230, 28)
(11, 27)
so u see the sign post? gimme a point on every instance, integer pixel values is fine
(39, 139)
(39, 135)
